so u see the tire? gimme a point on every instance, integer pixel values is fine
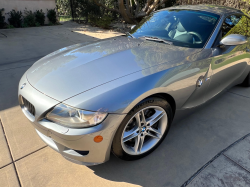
(127, 143)
(246, 82)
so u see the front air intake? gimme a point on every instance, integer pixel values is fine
(28, 106)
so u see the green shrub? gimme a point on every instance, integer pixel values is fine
(38, 24)
(15, 18)
(63, 7)
(10, 27)
(103, 22)
(2, 18)
(24, 25)
(29, 19)
(40, 17)
(85, 9)
(51, 14)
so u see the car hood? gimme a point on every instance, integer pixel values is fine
(78, 68)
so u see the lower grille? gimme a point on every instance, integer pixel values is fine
(28, 106)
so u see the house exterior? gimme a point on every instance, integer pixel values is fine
(32, 5)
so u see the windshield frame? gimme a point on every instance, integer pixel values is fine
(205, 46)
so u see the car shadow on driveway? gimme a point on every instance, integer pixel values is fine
(188, 146)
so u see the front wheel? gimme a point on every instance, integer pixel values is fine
(143, 129)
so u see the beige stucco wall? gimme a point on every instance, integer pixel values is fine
(20, 5)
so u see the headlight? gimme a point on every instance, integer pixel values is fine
(73, 117)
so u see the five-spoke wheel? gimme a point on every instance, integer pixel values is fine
(142, 129)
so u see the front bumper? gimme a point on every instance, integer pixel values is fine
(76, 145)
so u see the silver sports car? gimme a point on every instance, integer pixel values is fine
(121, 95)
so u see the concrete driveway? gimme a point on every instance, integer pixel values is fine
(26, 161)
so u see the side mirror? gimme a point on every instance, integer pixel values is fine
(234, 39)
(133, 26)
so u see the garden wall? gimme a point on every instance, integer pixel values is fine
(32, 5)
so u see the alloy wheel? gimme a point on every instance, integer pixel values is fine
(144, 130)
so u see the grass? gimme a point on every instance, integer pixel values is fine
(69, 18)
(64, 18)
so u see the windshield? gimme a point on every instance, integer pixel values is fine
(186, 28)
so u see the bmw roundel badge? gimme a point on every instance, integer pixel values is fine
(23, 86)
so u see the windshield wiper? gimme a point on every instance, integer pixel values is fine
(151, 38)
(128, 34)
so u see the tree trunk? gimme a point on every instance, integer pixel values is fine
(123, 12)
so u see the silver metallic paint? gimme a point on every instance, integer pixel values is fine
(115, 75)
(234, 39)
(101, 62)
(69, 139)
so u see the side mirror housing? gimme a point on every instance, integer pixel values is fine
(234, 39)
(133, 26)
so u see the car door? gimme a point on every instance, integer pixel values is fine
(229, 62)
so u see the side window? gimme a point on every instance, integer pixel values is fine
(236, 24)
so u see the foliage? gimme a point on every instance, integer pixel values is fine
(51, 14)
(50, 24)
(63, 7)
(10, 27)
(85, 8)
(64, 18)
(38, 24)
(29, 19)
(2, 18)
(246, 9)
(40, 17)
(15, 18)
(241, 27)
(133, 11)
(239, 4)
(170, 3)
(103, 22)
(130, 10)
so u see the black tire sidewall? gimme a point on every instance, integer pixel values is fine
(246, 82)
(151, 101)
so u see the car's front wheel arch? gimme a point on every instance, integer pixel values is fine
(168, 98)
(157, 92)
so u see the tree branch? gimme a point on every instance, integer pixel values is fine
(146, 5)
(127, 6)
(137, 8)
(123, 12)
(152, 7)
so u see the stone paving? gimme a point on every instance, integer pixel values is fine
(191, 143)
(230, 167)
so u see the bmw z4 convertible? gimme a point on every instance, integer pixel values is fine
(122, 94)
